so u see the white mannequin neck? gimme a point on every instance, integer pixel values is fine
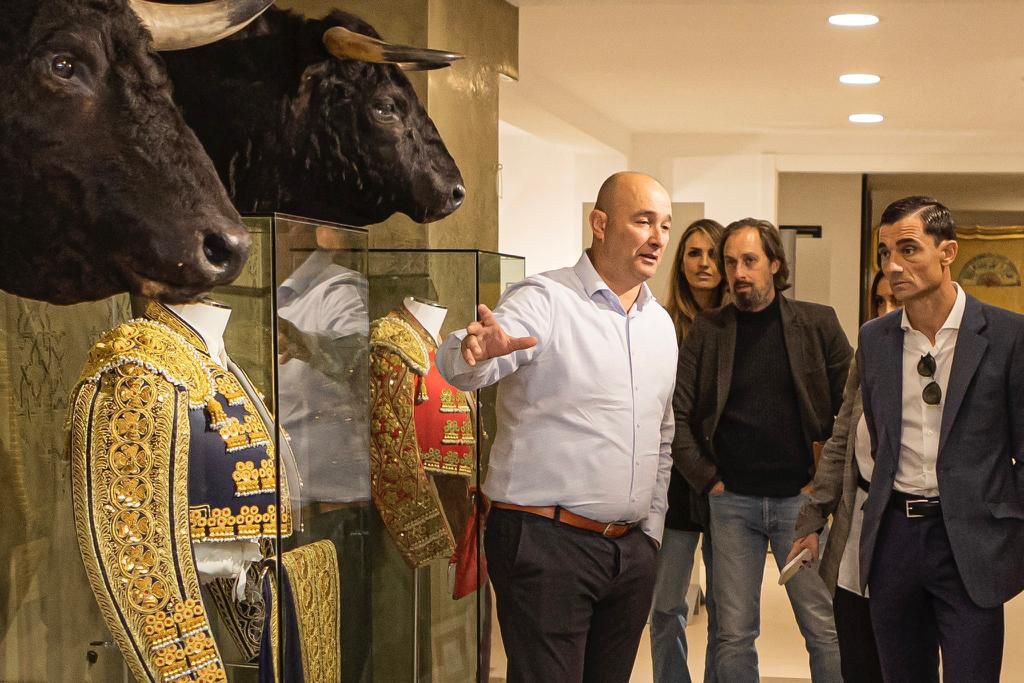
(431, 316)
(210, 320)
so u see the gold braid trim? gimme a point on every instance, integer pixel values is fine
(316, 588)
(449, 462)
(406, 499)
(129, 459)
(394, 334)
(218, 524)
(275, 620)
(158, 349)
(160, 313)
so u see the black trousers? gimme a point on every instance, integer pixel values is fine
(857, 650)
(919, 605)
(572, 604)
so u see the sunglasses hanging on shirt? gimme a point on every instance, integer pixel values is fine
(932, 393)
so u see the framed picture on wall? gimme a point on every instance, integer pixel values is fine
(988, 265)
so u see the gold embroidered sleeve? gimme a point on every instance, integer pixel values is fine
(315, 580)
(129, 455)
(405, 498)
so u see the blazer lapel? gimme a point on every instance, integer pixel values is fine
(890, 386)
(726, 355)
(970, 348)
(795, 335)
(793, 331)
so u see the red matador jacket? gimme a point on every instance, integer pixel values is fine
(422, 451)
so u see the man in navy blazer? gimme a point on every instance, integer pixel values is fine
(942, 546)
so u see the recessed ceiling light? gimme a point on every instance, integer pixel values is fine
(866, 118)
(853, 20)
(860, 79)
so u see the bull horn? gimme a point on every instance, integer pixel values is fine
(346, 44)
(179, 27)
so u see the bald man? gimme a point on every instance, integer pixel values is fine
(581, 460)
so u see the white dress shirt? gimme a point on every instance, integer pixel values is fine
(919, 441)
(585, 417)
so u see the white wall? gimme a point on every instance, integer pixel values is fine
(807, 177)
(543, 186)
(730, 186)
(547, 176)
(981, 193)
(828, 269)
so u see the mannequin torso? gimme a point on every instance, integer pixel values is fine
(209, 319)
(428, 314)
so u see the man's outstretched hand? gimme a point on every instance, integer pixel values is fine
(485, 339)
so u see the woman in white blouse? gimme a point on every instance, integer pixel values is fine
(840, 489)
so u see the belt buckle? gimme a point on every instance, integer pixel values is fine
(912, 515)
(608, 528)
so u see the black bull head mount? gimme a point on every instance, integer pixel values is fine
(105, 188)
(315, 117)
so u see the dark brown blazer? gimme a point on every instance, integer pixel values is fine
(835, 485)
(819, 359)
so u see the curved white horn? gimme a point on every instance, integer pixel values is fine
(346, 44)
(178, 27)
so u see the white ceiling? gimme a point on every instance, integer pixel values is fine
(772, 66)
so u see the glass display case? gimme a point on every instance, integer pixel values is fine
(299, 329)
(421, 631)
(109, 572)
(329, 587)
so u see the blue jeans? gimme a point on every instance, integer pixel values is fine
(741, 529)
(670, 610)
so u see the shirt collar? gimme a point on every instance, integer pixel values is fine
(594, 283)
(953, 320)
(304, 276)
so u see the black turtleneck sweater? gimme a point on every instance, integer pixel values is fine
(759, 442)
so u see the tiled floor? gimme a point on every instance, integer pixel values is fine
(781, 652)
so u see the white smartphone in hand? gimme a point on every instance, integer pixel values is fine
(795, 565)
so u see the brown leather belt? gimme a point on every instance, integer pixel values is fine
(607, 529)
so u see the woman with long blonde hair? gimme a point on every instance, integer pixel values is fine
(696, 283)
(696, 286)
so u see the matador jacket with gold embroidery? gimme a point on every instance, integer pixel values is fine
(168, 449)
(422, 443)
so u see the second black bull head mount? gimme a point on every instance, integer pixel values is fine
(105, 187)
(315, 117)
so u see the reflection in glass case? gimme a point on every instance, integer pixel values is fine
(300, 326)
